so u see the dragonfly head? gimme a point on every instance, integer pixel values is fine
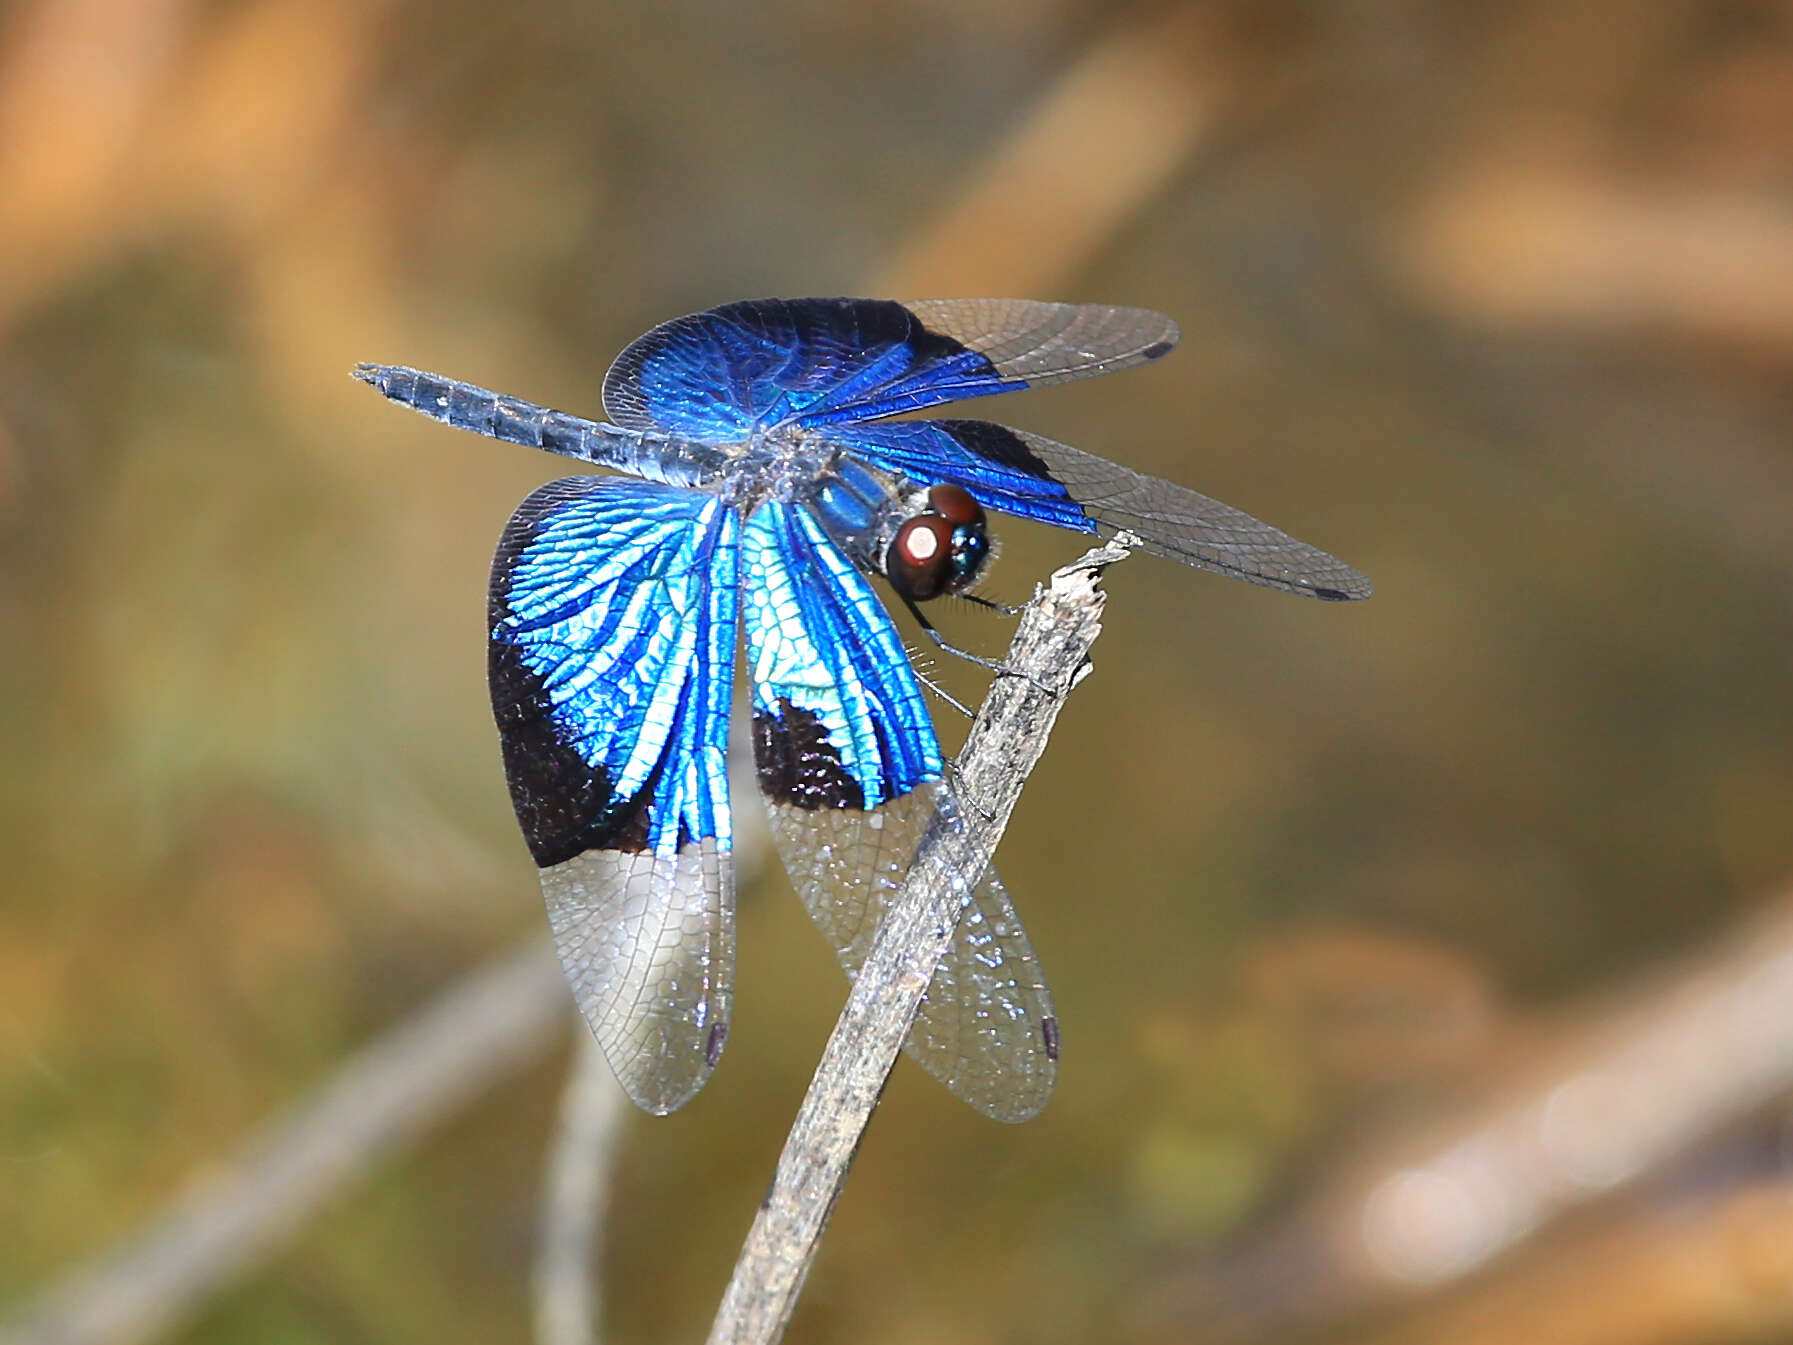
(942, 548)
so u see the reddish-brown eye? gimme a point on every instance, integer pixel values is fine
(954, 503)
(920, 561)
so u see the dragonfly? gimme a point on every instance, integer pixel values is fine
(761, 484)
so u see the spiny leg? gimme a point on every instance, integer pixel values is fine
(923, 676)
(941, 642)
(1005, 608)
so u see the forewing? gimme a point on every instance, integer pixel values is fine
(850, 770)
(1047, 343)
(718, 376)
(611, 658)
(1030, 476)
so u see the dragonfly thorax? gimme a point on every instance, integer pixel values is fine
(775, 465)
(926, 540)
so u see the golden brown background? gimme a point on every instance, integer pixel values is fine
(1382, 935)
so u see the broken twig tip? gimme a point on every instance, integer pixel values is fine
(1080, 576)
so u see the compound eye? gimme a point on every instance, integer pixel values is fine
(919, 563)
(971, 552)
(955, 504)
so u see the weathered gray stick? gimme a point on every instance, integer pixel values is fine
(1048, 657)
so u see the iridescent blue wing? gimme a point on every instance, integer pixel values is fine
(1030, 476)
(717, 377)
(612, 627)
(851, 774)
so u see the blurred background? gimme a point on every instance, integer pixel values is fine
(1425, 965)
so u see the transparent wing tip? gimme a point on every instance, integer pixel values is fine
(1167, 339)
(658, 1081)
(647, 945)
(1353, 587)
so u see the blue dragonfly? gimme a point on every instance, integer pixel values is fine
(764, 485)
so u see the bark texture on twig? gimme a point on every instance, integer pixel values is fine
(1048, 657)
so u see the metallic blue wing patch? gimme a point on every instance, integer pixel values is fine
(838, 717)
(613, 607)
(990, 461)
(612, 649)
(718, 376)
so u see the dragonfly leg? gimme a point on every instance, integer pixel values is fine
(945, 695)
(956, 779)
(941, 643)
(1005, 608)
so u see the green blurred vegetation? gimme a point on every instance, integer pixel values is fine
(1494, 301)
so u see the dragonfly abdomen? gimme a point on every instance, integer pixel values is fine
(469, 407)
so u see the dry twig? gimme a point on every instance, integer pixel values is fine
(1048, 657)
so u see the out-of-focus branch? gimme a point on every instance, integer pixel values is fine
(1709, 1272)
(1101, 146)
(495, 1022)
(93, 71)
(1562, 245)
(160, 118)
(1048, 657)
(568, 1300)
(1617, 1096)
(1547, 221)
